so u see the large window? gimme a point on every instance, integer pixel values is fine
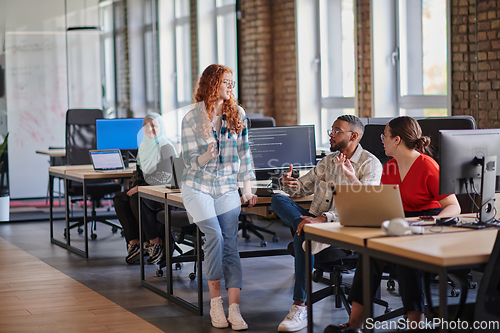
(175, 62)
(326, 38)
(337, 61)
(415, 80)
(217, 42)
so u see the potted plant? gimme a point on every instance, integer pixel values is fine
(4, 182)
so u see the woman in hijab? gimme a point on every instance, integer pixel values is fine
(153, 168)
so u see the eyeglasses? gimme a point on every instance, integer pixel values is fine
(229, 83)
(336, 131)
(382, 137)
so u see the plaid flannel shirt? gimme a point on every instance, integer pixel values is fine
(319, 180)
(221, 174)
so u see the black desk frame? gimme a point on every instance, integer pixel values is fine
(366, 254)
(67, 245)
(199, 256)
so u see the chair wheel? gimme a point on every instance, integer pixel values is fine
(276, 239)
(64, 233)
(391, 285)
(387, 310)
(472, 285)
(80, 230)
(455, 293)
(159, 272)
(93, 236)
(247, 237)
(114, 230)
(263, 244)
(178, 265)
(192, 276)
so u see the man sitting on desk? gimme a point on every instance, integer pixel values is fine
(349, 164)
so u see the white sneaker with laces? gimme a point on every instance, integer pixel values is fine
(235, 319)
(217, 314)
(316, 247)
(295, 320)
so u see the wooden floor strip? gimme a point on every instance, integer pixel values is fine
(35, 297)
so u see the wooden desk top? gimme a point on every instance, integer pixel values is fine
(86, 171)
(335, 231)
(176, 196)
(441, 249)
(53, 152)
(158, 191)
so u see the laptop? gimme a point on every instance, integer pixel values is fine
(108, 160)
(367, 205)
(177, 171)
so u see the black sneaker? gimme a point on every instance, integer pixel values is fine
(342, 328)
(134, 250)
(155, 253)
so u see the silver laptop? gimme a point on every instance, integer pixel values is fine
(367, 205)
(108, 160)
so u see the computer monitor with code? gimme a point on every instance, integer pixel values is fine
(275, 148)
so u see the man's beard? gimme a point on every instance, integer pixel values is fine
(339, 146)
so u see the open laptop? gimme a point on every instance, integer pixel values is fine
(177, 171)
(367, 205)
(108, 160)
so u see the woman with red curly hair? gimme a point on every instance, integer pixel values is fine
(217, 156)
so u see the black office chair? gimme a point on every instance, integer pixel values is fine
(4, 167)
(183, 233)
(80, 138)
(371, 141)
(336, 262)
(487, 308)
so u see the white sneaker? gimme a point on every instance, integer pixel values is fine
(295, 320)
(217, 313)
(235, 319)
(316, 247)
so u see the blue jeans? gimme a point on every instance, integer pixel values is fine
(289, 212)
(217, 218)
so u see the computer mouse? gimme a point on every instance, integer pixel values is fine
(449, 221)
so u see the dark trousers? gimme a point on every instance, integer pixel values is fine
(127, 210)
(411, 281)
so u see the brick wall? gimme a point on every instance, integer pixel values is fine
(364, 70)
(268, 68)
(476, 85)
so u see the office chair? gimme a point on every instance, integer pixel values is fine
(246, 224)
(80, 138)
(337, 262)
(183, 233)
(4, 168)
(371, 141)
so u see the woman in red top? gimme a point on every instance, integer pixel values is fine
(418, 178)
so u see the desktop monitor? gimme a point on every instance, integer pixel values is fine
(468, 164)
(120, 133)
(275, 148)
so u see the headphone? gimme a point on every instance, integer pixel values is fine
(400, 227)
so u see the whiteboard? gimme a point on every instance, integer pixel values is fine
(37, 99)
(36, 106)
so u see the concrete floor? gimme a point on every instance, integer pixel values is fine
(267, 281)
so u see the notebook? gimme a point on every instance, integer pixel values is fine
(367, 205)
(108, 160)
(177, 171)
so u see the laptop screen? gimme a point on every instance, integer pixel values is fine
(107, 159)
